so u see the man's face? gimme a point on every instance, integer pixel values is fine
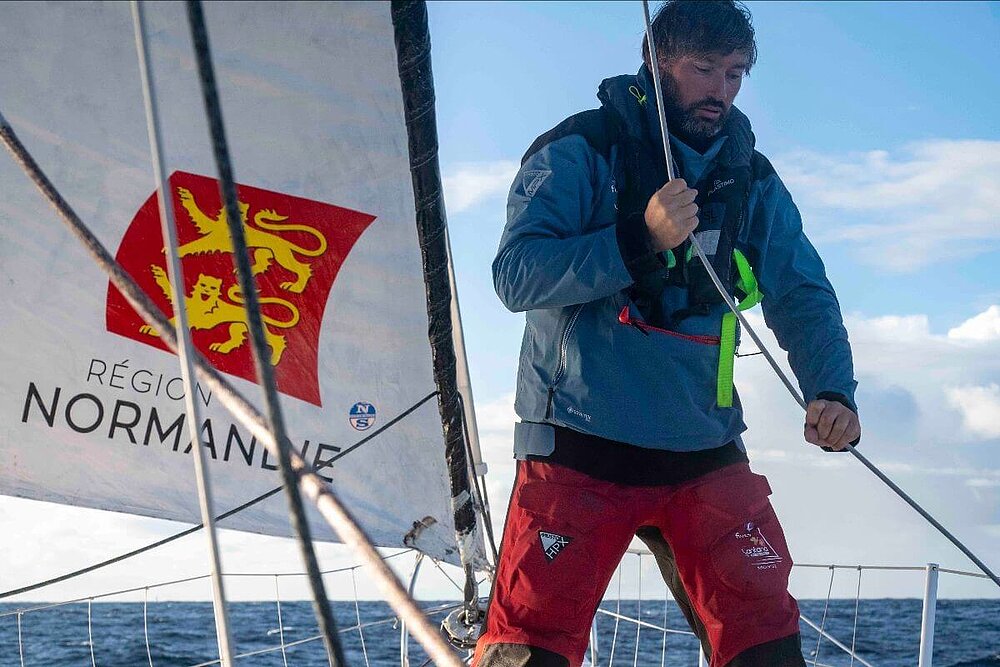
(700, 89)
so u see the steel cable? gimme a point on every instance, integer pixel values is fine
(655, 70)
(264, 372)
(857, 608)
(168, 228)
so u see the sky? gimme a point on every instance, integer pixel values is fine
(882, 121)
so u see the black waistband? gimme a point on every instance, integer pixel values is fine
(629, 465)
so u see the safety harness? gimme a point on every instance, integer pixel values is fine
(622, 122)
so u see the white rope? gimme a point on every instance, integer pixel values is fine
(724, 293)
(90, 634)
(655, 71)
(357, 615)
(145, 625)
(857, 606)
(184, 343)
(281, 624)
(654, 65)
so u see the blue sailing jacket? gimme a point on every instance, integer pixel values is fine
(560, 261)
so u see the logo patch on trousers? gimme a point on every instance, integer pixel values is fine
(757, 549)
(552, 544)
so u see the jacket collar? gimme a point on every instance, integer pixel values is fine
(632, 99)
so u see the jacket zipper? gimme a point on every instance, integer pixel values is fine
(561, 367)
(625, 317)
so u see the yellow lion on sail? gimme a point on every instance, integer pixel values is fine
(206, 309)
(267, 247)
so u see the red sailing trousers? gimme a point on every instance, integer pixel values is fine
(566, 533)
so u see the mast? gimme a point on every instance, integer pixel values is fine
(409, 19)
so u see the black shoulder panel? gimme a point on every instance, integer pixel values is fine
(593, 125)
(760, 167)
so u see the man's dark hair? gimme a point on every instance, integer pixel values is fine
(698, 27)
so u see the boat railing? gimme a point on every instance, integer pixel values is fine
(824, 638)
(635, 634)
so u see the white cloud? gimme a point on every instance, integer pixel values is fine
(907, 327)
(471, 183)
(497, 416)
(980, 408)
(984, 326)
(979, 482)
(933, 200)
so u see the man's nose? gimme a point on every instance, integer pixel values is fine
(721, 87)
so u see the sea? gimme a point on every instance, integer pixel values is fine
(182, 634)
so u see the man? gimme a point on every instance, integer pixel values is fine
(630, 424)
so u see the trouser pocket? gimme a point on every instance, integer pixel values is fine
(750, 556)
(552, 549)
(565, 534)
(732, 559)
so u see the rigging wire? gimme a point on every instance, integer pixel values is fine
(20, 641)
(264, 372)
(326, 501)
(281, 625)
(483, 505)
(822, 621)
(655, 70)
(857, 608)
(168, 227)
(225, 515)
(145, 625)
(90, 632)
(174, 582)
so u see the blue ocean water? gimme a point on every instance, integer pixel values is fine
(182, 634)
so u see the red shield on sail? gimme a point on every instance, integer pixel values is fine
(296, 246)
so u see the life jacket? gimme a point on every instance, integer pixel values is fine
(723, 191)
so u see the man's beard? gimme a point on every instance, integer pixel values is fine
(685, 121)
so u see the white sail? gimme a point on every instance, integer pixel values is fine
(91, 405)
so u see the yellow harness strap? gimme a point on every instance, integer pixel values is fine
(747, 284)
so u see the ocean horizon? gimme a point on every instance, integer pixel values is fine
(182, 634)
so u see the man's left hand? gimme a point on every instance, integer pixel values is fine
(830, 424)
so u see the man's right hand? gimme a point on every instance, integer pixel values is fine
(671, 214)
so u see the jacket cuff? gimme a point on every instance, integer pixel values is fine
(636, 247)
(846, 402)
